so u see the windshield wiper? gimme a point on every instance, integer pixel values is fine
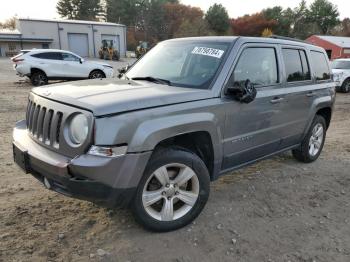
(153, 79)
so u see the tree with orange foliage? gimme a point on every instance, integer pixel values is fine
(177, 14)
(251, 25)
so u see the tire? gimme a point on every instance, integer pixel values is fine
(314, 139)
(97, 74)
(38, 78)
(165, 210)
(345, 87)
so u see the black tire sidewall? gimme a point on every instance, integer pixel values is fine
(35, 76)
(345, 86)
(305, 145)
(162, 158)
(97, 71)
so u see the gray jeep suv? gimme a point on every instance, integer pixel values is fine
(188, 112)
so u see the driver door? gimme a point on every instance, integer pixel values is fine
(253, 130)
(72, 66)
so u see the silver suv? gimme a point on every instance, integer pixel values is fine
(186, 113)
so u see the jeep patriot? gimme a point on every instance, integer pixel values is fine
(186, 113)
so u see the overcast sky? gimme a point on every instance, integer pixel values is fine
(47, 8)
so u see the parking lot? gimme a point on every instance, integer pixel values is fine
(276, 210)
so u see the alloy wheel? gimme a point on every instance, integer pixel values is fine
(170, 192)
(39, 80)
(316, 139)
(95, 75)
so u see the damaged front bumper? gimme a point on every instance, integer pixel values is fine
(106, 181)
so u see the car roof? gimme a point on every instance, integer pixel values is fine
(34, 50)
(231, 39)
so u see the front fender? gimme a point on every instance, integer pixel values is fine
(153, 131)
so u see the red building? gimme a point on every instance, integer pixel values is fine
(335, 46)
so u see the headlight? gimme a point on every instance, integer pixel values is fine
(78, 129)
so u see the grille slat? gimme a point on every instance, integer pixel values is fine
(41, 122)
(35, 120)
(47, 126)
(31, 113)
(28, 112)
(53, 129)
(58, 129)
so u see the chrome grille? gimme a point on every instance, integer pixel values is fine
(44, 123)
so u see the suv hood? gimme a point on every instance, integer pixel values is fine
(109, 96)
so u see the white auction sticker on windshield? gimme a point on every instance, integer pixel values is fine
(208, 51)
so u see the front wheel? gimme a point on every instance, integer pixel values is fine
(173, 190)
(312, 144)
(96, 74)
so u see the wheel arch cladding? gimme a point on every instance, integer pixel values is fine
(154, 132)
(35, 70)
(326, 113)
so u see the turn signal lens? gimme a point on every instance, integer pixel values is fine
(108, 151)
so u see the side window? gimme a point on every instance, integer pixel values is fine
(49, 55)
(306, 66)
(297, 68)
(259, 65)
(320, 66)
(37, 55)
(69, 57)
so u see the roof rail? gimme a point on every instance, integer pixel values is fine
(288, 38)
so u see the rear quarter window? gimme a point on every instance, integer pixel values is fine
(320, 66)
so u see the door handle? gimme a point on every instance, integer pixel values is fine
(310, 94)
(276, 100)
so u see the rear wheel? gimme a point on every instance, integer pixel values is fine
(96, 74)
(173, 190)
(346, 86)
(38, 78)
(312, 144)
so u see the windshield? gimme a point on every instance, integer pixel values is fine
(341, 65)
(181, 63)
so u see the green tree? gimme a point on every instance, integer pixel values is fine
(196, 27)
(324, 14)
(282, 19)
(301, 27)
(66, 9)
(122, 11)
(218, 19)
(79, 9)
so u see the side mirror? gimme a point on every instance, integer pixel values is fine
(81, 60)
(123, 70)
(244, 91)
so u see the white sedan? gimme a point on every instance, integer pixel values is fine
(341, 74)
(41, 65)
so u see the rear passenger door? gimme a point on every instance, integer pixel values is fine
(50, 63)
(299, 93)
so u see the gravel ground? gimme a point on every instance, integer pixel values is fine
(276, 210)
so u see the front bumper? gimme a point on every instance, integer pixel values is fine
(106, 181)
(109, 73)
